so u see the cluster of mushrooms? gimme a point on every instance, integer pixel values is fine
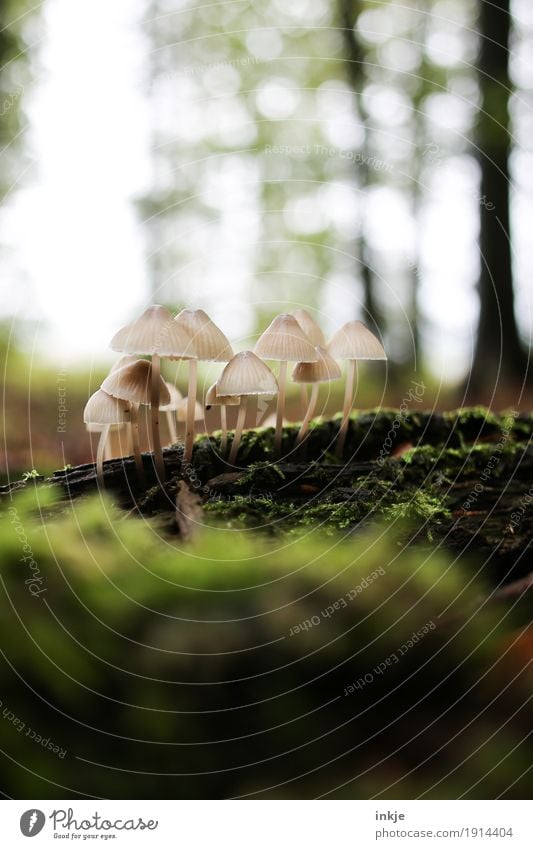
(192, 336)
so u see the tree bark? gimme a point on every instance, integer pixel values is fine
(498, 352)
(347, 12)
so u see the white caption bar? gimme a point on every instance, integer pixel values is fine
(267, 824)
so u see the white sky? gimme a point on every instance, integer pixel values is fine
(73, 230)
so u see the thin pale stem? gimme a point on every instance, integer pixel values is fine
(348, 402)
(238, 431)
(154, 400)
(171, 422)
(102, 442)
(308, 415)
(108, 453)
(124, 439)
(134, 424)
(280, 408)
(148, 430)
(191, 403)
(303, 397)
(224, 424)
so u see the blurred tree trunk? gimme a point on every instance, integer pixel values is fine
(498, 353)
(348, 11)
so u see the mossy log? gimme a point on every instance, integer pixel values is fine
(463, 478)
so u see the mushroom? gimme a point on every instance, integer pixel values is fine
(245, 375)
(222, 401)
(170, 410)
(310, 327)
(97, 428)
(154, 333)
(103, 410)
(284, 341)
(126, 360)
(210, 344)
(313, 331)
(353, 342)
(324, 370)
(133, 384)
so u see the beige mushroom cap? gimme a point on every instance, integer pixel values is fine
(246, 374)
(312, 330)
(354, 341)
(175, 398)
(122, 362)
(284, 340)
(154, 332)
(133, 383)
(181, 411)
(209, 341)
(324, 370)
(102, 409)
(214, 400)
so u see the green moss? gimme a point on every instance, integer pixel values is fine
(223, 668)
(325, 514)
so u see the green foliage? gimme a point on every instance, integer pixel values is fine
(15, 17)
(140, 656)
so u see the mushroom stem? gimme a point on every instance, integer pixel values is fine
(280, 408)
(171, 422)
(134, 417)
(129, 442)
(224, 423)
(308, 415)
(191, 403)
(238, 432)
(303, 397)
(348, 402)
(102, 442)
(154, 400)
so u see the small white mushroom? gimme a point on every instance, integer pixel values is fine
(133, 384)
(284, 341)
(155, 334)
(353, 342)
(314, 333)
(104, 410)
(246, 376)
(222, 401)
(324, 370)
(210, 345)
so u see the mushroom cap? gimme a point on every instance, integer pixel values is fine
(324, 370)
(122, 362)
(102, 409)
(284, 340)
(133, 383)
(312, 330)
(246, 374)
(154, 332)
(208, 340)
(175, 398)
(354, 341)
(181, 411)
(214, 400)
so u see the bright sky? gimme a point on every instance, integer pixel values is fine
(73, 229)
